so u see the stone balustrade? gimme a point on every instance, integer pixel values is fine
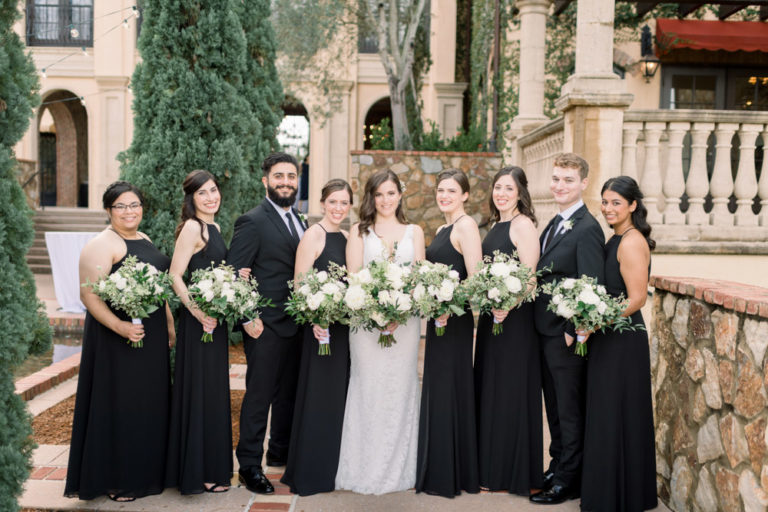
(538, 149)
(418, 171)
(709, 378)
(701, 171)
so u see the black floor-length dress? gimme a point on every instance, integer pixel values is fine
(447, 458)
(200, 440)
(321, 394)
(120, 426)
(619, 455)
(508, 391)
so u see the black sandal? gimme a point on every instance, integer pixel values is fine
(216, 488)
(121, 499)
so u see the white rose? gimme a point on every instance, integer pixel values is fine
(305, 290)
(102, 285)
(394, 273)
(446, 291)
(314, 301)
(403, 302)
(114, 277)
(151, 270)
(569, 283)
(513, 284)
(220, 274)
(432, 290)
(228, 293)
(121, 283)
(208, 295)
(204, 285)
(418, 292)
(588, 296)
(602, 307)
(379, 318)
(557, 299)
(355, 297)
(363, 276)
(423, 269)
(513, 266)
(564, 311)
(322, 276)
(330, 288)
(453, 274)
(601, 289)
(499, 269)
(158, 289)
(397, 284)
(494, 294)
(338, 296)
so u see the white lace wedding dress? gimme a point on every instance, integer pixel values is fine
(381, 420)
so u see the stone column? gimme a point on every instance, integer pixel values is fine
(450, 107)
(594, 99)
(745, 186)
(651, 182)
(533, 45)
(629, 149)
(674, 181)
(697, 184)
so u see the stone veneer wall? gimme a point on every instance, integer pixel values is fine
(710, 376)
(418, 171)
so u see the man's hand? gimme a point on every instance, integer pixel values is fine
(254, 328)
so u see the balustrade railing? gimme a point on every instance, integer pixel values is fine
(538, 149)
(701, 168)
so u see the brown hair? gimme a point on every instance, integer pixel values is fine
(335, 185)
(524, 203)
(192, 184)
(572, 161)
(367, 211)
(456, 175)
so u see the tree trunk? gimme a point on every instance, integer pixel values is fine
(400, 132)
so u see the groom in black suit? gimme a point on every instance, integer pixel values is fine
(572, 245)
(265, 241)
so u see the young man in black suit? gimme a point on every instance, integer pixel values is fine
(572, 245)
(265, 241)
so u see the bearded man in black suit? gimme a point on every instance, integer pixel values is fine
(265, 241)
(572, 245)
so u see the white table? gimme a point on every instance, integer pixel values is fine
(64, 252)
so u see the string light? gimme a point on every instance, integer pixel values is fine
(82, 100)
(42, 72)
(136, 12)
(125, 23)
(85, 51)
(74, 32)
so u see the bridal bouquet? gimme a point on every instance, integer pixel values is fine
(435, 291)
(501, 282)
(377, 295)
(136, 288)
(318, 300)
(588, 305)
(219, 293)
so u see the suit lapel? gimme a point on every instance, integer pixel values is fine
(278, 221)
(301, 220)
(577, 215)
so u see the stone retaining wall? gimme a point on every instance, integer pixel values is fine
(418, 170)
(710, 375)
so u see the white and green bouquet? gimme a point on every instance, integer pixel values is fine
(317, 298)
(378, 295)
(219, 293)
(435, 291)
(588, 305)
(501, 282)
(137, 288)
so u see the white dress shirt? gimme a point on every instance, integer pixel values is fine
(281, 211)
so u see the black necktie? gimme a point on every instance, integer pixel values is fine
(552, 230)
(291, 226)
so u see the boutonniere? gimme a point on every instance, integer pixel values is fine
(303, 218)
(567, 225)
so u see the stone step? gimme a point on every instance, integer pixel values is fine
(38, 268)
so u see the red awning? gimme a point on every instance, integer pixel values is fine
(731, 36)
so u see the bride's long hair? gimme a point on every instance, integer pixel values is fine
(367, 211)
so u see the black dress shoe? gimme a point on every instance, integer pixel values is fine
(548, 479)
(255, 481)
(557, 494)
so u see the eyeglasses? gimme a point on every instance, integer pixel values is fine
(120, 207)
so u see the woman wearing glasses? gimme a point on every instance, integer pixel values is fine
(120, 428)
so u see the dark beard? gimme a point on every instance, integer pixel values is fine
(283, 202)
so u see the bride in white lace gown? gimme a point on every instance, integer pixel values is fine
(381, 420)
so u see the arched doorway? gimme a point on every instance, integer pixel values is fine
(379, 111)
(293, 137)
(63, 150)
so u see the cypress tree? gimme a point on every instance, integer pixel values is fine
(195, 98)
(24, 328)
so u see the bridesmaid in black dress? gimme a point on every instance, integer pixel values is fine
(619, 463)
(120, 427)
(507, 371)
(321, 394)
(200, 442)
(446, 462)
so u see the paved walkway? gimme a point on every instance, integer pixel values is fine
(45, 487)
